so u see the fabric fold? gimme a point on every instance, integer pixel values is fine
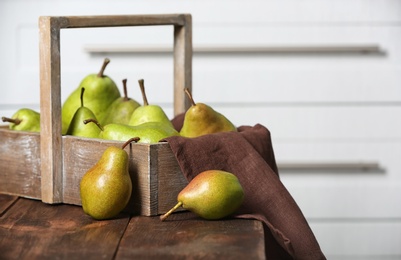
(249, 155)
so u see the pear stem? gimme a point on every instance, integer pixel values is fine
(11, 120)
(168, 213)
(190, 96)
(133, 139)
(91, 120)
(101, 72)
(126, 98)
(82, 97)
(142, 86)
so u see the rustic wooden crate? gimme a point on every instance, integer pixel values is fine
(49, 166)
(20, 163)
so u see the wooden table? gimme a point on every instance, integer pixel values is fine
(30, 229)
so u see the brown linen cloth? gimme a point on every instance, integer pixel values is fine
(249, 155)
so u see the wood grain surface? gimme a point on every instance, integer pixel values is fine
(31, 229)
(185, 236)
(5, 202)
(155, 173)
(20, 163)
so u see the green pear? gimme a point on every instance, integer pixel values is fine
(121, 109)
(106, 188)
(212, 194)
(25, 119)
(200, 119)
(77, 126)
(148, 113)
(153, 132)
(101, 91)
(150, 132)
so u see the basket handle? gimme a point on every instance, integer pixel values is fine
(50, 88)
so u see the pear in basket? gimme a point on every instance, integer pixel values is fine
(77, 126)
(149, 132)
(100, 92)
(25, 119)
(147, 112)
(121, 109)
(201, 119)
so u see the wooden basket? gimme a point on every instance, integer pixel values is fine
(54, 176)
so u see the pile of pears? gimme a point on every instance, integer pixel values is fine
(103, 113)
(96, 109)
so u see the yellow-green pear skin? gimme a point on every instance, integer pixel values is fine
(100, 92)
(201, 119)
(77, 127)
(153, 132)
(106, 188)
(121, 109)
(212, 194)
(150, 132)
(25, 119)
(148, 113)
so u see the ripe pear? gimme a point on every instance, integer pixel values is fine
(77, 126)
(148, 113)
(101, 91)
(212, 194)
(106, 188)
(201, 119)
(150, 132)
(121, 109)
(25, 119)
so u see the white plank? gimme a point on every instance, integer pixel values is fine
(280, 77)
(364, 239)
(309, 122)
(341, 193)
(354, 200)
(209, 12)
(246, 86)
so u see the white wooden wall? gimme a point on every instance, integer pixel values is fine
(330, 108)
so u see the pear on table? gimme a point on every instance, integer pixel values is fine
(25, 119)
(106, 188)
(201, 119)
(77, 126)
(212, 194)
(101, 91)
(121, 109)
(148, 113)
